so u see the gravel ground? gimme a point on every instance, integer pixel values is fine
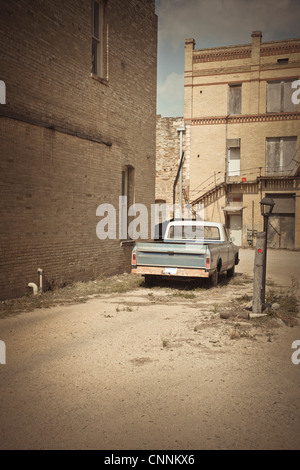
(154, 369)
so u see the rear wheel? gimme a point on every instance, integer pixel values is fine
(230, 272)
(213, 279)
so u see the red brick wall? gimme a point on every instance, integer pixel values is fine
(51, 180)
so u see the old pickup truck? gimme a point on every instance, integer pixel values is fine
(189, 249)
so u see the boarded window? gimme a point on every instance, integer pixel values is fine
(288, 104)
(235, 99)
(279, 97)
(280, 155)
(274, 97)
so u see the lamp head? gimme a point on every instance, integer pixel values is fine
(266, 206)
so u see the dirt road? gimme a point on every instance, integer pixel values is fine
(153, 369)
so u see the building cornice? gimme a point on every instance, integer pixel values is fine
(234, 53)
(245, 118)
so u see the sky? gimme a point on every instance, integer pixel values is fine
(213, 23)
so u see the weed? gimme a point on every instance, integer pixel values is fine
(244, 298)
(184, 294)
(215, 309)
(234, 334)
(241, 280)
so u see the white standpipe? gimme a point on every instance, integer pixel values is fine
(40, 271)
(34, 287)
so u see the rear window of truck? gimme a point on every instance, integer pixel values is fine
(193, 232)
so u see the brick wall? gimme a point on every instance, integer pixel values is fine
(66, 136)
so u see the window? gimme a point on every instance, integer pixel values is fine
(280, 155)
(282, 61)
(128, 184)
(191, 232)
(98, 38)
(235, 99)
(279, 97)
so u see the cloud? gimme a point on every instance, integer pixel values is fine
(172, 88)
(170, 95)
(218, 22)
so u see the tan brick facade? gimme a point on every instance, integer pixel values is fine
(240, 112)
(66, 135)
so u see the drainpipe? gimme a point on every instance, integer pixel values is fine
(181, 130)
(176, 179)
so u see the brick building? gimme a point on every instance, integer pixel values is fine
(77, 130)
(242, 114)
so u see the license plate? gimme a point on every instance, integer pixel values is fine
(172, 271)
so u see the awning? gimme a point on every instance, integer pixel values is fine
(233, 208)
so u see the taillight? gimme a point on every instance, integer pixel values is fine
(134, 259)
(207, 263)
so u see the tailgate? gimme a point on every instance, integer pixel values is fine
(171, 255)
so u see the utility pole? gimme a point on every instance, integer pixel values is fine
(258, 274)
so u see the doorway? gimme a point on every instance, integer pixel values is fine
(235, 228)
(234, 161)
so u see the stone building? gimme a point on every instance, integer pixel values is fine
(241, 108)
(171, 138)
(77, 130)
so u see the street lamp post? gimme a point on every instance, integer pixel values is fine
(266, 206)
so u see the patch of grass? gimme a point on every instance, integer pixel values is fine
(288, 304)
(240, 280)
(244, 298)
(124, 309)
(184, 294)
(77, 292)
